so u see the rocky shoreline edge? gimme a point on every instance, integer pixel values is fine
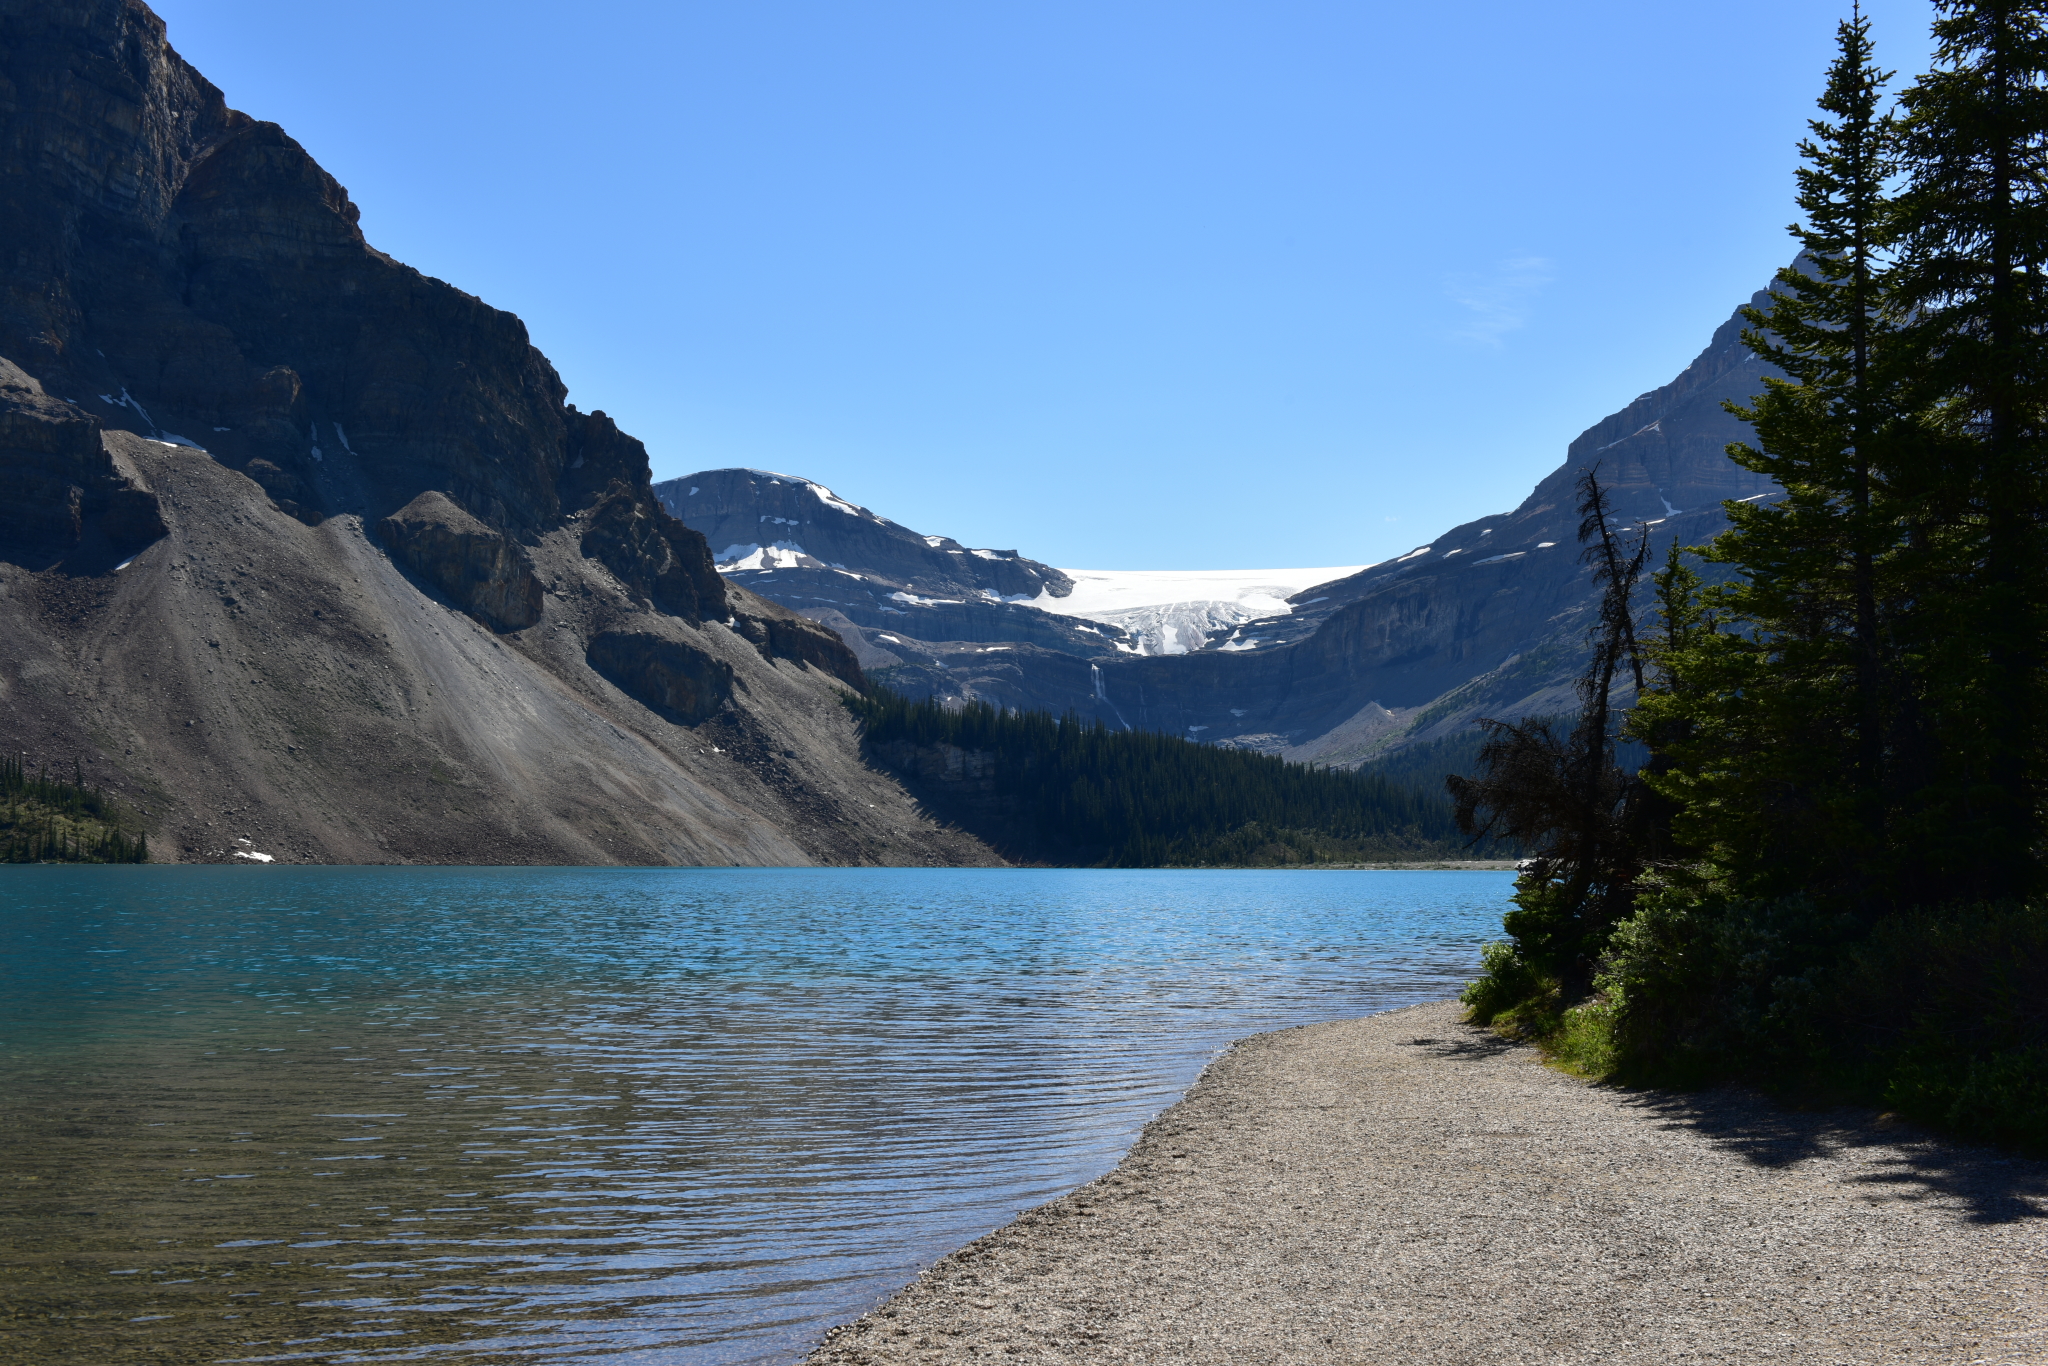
(1408, 1187)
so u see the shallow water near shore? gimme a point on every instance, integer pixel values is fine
(641, 1115)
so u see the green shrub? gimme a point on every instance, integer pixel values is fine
(1505, 984)
(1940, 1014)
(1944, 1015)
(1583, 1042)
(1704, 987)
(1999, 1098)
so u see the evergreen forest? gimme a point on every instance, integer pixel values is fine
(52, 820)
(1827, 872)
(1046, 789)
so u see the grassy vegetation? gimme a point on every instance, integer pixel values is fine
(52, 820)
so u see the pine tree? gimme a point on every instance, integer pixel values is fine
(1074, 790)
(1973, 237)
(1774, 754)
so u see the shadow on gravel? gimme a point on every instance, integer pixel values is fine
(1465, 1042)
(1992, 1187)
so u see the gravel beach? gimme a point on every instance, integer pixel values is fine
(1406, 1188)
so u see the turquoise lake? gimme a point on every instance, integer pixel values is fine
(642, 1115)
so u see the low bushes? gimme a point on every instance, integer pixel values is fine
(1940, 1015)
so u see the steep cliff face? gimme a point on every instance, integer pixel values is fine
(298, 542)
(186, 273)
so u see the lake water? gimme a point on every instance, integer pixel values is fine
(646, 1115)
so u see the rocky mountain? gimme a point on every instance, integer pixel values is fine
(305, 554)
(1488, 618)
(910, 596)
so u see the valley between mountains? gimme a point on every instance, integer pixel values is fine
(306, 555)
(1337, 665)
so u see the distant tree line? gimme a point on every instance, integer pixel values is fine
(52, 820)
(1829, 874)
(1065, 790)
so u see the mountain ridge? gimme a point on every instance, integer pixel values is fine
(792, 539)
(1488, 617)
(300, 545)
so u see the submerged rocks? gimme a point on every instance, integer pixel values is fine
(482, 571)
(674, 680)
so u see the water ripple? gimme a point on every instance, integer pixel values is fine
(674, 1116)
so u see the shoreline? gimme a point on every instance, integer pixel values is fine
(1408, 1187)
(1480, 865)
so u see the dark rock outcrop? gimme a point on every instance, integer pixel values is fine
(669, 677)
(779, 633)
(59, 488)
(481, 571)
(655, 557)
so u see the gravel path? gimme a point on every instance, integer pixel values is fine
(1405, 1188)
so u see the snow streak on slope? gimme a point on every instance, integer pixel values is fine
(1172, 611)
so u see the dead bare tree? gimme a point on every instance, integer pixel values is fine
(1563, 797)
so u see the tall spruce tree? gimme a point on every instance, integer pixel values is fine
(1973, 238)
(1774, 755)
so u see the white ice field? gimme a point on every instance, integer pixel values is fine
(1172, 611)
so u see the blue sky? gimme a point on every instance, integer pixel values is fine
(1120, 285)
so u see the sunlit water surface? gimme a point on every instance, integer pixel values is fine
(678, 1116)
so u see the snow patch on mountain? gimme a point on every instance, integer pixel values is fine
(1098, 591)
(780, 555)
(1172, 611)
(1179, 628)
(831, 499)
